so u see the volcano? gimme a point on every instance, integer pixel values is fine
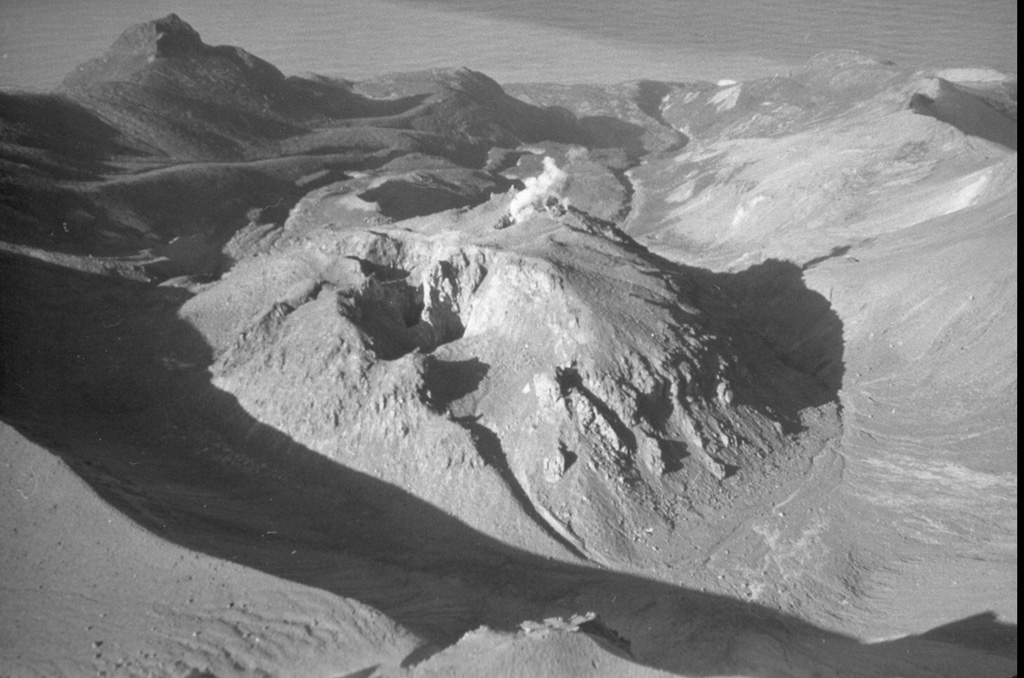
(425, 375)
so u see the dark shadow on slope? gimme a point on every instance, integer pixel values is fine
(124, 211)
(673, 452)
(771, 300)
(363, 673)
(102, 373)
(833, 253)
(650, 94)
(388, 311)
(604, 131)
(406, 197)
(787, 337)
(769, 317)
(982, 632)
(569, 380)
(488, 445)
(52, 124)
(447, 381)
(607, 636)
(967, 112)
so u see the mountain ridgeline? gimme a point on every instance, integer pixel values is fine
(648, 362)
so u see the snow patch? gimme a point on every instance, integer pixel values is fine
(972, 75)
(727, 98)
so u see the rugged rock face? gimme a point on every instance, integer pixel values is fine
(710, 379)
(401, 353)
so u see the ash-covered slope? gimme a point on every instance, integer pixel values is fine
(732, 367)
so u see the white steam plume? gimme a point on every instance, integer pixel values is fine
(550, 182)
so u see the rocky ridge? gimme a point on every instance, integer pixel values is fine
(649, 384)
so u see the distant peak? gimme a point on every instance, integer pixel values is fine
(173, 22)
(169, 53)
(173, 35)
(168, 36)
(135, 49)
